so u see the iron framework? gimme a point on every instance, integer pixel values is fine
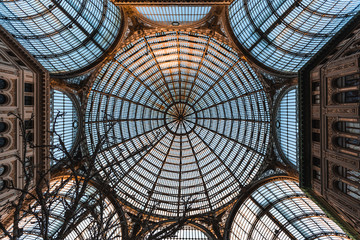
(284, 35)
(64, 36)
(278, 209)
(286, 126)
(186, 110)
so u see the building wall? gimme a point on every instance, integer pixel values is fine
(335, 125)
(24, 93)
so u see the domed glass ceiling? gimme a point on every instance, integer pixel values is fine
(279, 209)
(285, 34)
(65, 35)
(190, 123)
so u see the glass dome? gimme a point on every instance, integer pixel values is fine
(279, 209)
(285, 34)
(185, 111)
(65, 35)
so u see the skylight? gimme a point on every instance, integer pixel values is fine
(285, 34)
(174, 15)
(64, 113)
(287, 126)
(279, 209)
(63, 37)
(185, 111)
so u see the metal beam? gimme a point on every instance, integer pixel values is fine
(173, 2)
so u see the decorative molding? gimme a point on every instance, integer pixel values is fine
(345, 161)
(343, 110)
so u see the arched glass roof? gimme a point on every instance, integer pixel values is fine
(187, 232)
(285, 34)
(279, 209)
(287, 126)
(65, 35)
(191, 123)
(95, 215)
(174, 15)
(65, 125)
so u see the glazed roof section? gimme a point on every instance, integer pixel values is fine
(285, 34)
(279, 209)
(64, 36)
(185, 111)
(174, 15)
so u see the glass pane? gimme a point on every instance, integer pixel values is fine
(185, 233)
(64, 123)
(285, 34)
(280, 210)
(287, 126)
(183, 123)
(174, 15)
(63, 37)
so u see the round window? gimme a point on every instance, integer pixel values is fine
(2, 184)
(3, 99)
(3, 142)
(3, 169)
(3, 84)
(3, 126)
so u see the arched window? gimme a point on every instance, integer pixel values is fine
(279, 209)
(353, 190)
(3, 99)
(3, 169)
(347, 81)
(3, 84)
(3, 142)
(348, 127)
(285, 34)
(65, 35)
(2, 184)
(349, 182)
(64, 123)
(287, 126)
(3, 127)
(174, 15)
(351, 144)
(347, 97)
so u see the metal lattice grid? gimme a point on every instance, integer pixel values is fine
(64, 121)
(191, 123)
(174, 15)
(285, 34)
(279, 209)
(187, 232)
(287, 126)
(63, 35)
